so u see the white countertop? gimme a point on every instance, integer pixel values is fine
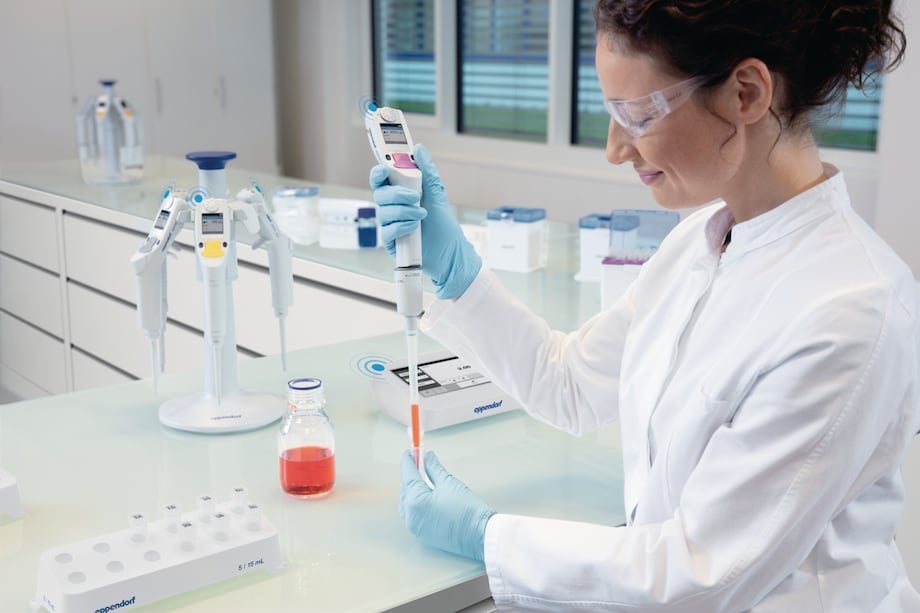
(85, 461)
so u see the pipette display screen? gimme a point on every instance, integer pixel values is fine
(212, 223)
(443, 376)
(162, 218)
(393, 134)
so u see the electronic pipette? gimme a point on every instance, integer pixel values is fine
(149, 265)
(392, 146)
(278, 247)
(213, 221)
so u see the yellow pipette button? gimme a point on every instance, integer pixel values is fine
(212, 249)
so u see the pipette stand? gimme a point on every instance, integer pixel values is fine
(110, 140)
(149, 561)
(222, 406)
(10, 502)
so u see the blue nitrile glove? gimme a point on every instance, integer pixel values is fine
(450, 516)
(447, 256)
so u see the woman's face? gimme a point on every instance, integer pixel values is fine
(689, 157)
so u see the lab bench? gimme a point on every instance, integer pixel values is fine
(85, 461)
(67, 292)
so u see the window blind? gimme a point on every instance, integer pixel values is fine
(503, 68)
(404, 76)
(854, 126)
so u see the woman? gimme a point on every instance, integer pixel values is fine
(764, 364)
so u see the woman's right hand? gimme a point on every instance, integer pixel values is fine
(447, 256)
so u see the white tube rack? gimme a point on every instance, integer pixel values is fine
(152, 560)
(10, 502)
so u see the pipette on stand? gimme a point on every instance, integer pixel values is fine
(392, 145)
(278, 248)
(149, 265)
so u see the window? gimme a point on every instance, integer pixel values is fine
(591, 121)
(503, 57)
(854, 127)
(404, 75)
(504, 68)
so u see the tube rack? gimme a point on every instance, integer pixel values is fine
(10, 503)
(152, 560)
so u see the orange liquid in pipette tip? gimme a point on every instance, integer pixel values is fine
(416, 433)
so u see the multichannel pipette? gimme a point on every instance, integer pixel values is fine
(392, 146)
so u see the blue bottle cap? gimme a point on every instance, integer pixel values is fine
(210, 160)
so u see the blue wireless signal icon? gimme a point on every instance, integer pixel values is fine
(371, 366)
(367, 105)
(168, 190)
(197, 195)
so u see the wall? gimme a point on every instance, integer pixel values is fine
(898, 209)
(198, 73)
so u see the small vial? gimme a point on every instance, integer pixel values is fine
(367, 227)
(306, 441)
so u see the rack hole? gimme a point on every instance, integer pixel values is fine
(101, 548)
(76, 577)
(63, 558)
(114, 566)
(152, 555)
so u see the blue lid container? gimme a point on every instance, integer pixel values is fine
(519, 214)
(593, 221)
(295, 191)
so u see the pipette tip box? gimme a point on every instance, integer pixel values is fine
(517, 238)
(594, 245)
(10, 502)
(152, 560)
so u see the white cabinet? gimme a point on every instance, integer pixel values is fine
(199, 72)
(29, 232)
(68, 314)
(37, 103)
(107, 329)
(107, 42)
(33, 362)
(31, 294)
(90, 372)
(212, 78)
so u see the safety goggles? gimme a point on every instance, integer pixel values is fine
(639, 114)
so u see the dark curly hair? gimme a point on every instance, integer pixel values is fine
(817, 47)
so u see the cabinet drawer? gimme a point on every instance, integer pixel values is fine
(99, 255)
(89, 372)
(28, 231)
(32, 294)
(107, 329)
(320, 316)
(33, 354)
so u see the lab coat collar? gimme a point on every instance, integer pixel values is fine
(803, 209)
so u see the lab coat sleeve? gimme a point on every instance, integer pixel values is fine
(570, 380)
(824, 415)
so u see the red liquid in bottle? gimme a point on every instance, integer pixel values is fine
(307, 471)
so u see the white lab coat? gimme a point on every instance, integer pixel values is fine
(766, 397)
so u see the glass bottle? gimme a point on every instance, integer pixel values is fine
(306, 441)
